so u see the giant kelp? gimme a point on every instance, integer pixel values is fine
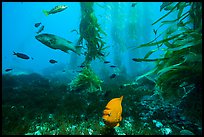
(90, 33)
(180, 65)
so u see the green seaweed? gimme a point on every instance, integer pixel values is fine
(181, 46)
(87, 80)
(90, 32)
(166, 14)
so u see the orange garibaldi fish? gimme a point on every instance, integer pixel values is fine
(112, 113)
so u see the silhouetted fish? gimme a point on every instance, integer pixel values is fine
(112, 66)
(81, 66)
(113, 76)
(37, 24)
(106, 62)
(21, 55)
(155, 31)
(53, 61)
(134, 4)
(8, 70)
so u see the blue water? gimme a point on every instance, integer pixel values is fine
(18, 35)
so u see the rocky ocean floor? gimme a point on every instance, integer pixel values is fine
(34, 105)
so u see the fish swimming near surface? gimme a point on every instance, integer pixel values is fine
(40, 29)
(112, 113)
(134, 4)
(55, 10)
(21, 55)
(113, 76)
(37, 24)
(8, 70)
(56, 42)
(52, 61)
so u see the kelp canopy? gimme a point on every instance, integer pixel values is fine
(180, 65)
(90, 34)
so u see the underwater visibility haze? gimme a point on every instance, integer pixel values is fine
(101, 68)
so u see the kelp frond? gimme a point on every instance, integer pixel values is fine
(181, 60)
(91, 32)
(87, 81)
